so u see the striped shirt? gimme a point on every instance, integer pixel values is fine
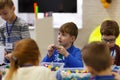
(20, 30)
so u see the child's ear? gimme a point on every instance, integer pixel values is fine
(13, 8)
(73, 38)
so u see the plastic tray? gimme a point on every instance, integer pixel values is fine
(54, 66)
(73, 74)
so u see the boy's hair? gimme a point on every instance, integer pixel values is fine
(97, 55)
(25, 51)
(109, 27)
(4, 3)
(70, 28)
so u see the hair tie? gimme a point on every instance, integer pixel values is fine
(15, 59)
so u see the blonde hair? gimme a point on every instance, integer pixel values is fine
(25, 51)
(4, 3)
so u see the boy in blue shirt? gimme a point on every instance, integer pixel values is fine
(65, 52)
(98, 60)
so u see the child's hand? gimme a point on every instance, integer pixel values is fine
(51, 49)
(5, 53)
(7, 56)
(62, 50)
(117, 76)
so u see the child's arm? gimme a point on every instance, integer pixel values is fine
(74, 59)
(49, 57)
(62, 50)
(51, 49)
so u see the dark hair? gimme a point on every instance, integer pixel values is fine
(109, 27)
(96, 55)
(25, 51)
(4, 3)
(69, 28)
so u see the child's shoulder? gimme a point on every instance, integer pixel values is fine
(3, 25)
(21, 22)
(75, 47)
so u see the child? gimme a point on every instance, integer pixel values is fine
(65, 52)
(24, 64)
(98, 60)
(110, 31)
(14, 29)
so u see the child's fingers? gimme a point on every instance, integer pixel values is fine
(117, 76)
(58, 47)
(114, 73)
(51, 47)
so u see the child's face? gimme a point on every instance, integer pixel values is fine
(110, 40)
(65, 39)
(6, 13)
